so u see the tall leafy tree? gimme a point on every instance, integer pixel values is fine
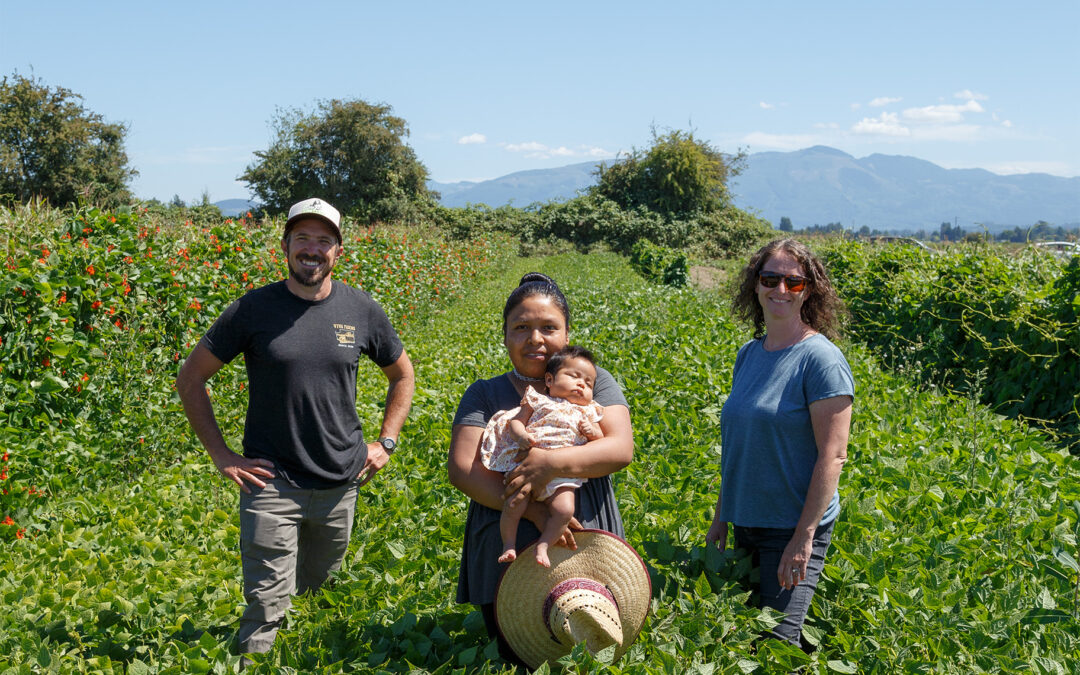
(351, 153)
(678, 176)
(54, 148)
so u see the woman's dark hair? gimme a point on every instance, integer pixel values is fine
(532, 284)
(559, 358)
(821, 310)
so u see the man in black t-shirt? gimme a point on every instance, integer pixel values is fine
(304, 455)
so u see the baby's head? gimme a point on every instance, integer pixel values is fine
(571, 374)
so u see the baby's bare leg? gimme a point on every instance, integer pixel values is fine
(508, 524)
(561, 505)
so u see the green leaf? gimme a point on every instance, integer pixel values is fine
(396, 549)
(842, 667)
(467, 657)
(44, 658)
(702, 587)
(49, 383)
(746, 665)
(59, 348)
(137, 667)
(1065, 559)
(207, 641)
(605, 655)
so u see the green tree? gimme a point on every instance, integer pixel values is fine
(351, 153)
(785, 224)
(678, 176)
(52, 147)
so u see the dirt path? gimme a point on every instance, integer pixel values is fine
(707, 278)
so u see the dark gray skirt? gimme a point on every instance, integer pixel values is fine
(480, 567)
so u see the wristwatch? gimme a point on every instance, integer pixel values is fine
(388, 444)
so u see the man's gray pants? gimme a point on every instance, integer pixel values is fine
(290, 541)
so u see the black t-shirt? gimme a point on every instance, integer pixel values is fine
(301, 358)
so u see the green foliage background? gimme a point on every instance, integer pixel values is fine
(351, 153)
(1003, 327)
(53, 148)
(955, 552)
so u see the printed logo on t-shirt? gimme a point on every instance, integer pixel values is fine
(346, 335)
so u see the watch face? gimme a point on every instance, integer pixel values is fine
(388, 443)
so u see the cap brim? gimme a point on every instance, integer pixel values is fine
(304, 216)
(525, 585)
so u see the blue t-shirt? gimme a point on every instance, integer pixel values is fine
(768, 447)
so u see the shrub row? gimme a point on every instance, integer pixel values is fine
(591, 220)
(1005, 328)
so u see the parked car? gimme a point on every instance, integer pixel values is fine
(1062, 249)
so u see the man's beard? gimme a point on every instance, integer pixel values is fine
(310, 277)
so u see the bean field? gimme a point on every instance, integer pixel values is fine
(955, 552)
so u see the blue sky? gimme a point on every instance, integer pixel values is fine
(489, 88)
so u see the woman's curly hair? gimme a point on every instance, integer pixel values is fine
(822, 309)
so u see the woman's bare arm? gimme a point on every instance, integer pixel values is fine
(595, 459)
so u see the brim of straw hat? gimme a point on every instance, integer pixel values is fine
(525, 585)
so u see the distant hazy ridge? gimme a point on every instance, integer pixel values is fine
(821, 185)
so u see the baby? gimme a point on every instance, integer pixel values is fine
(566, 416)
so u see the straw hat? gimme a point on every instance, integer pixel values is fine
(598, 594)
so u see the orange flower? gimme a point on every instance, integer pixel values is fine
(8, 521)
(90, 270)
(21, 533)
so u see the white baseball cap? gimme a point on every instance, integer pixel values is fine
(315, 208)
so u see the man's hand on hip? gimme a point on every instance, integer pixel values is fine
(377, 458)
(242, 470)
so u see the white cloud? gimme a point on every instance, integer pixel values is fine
(942, 114)
(1024, 166)
(531, 146)
(472, 139)
(766, 106)
(882, 101)
(949, 132)
(535, 150)
(1007, 124)
(969, 95)
(888, 124)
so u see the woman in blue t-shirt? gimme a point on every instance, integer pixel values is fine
(784, 429)
(536, 324)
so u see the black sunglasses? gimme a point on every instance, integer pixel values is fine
(793, 282)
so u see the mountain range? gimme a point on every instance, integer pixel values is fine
(821, 185)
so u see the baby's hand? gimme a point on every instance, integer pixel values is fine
(590, 430)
